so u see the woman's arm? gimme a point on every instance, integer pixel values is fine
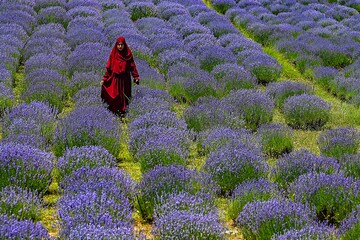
(134, 72)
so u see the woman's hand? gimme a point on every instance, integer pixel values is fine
(101, 82)
(136, 81)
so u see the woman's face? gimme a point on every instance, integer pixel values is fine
(120, 46)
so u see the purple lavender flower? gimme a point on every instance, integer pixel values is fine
(187, 225)
(20, 17)
(200, 203)
(81, 80)
(94, 232)
(109, 180)
(77, 157)
(147, 104)
(150, 76)
(45, 61)
(249, 191)
(83, 11)
(196, 40)
(233, 77)
(281, 91)
(145, 91)
(263, 220)
(266, 69)
(78, 3)
(212, 139)
(88, 96)
(221, 28)
(171, 11)
(332, 195)
(93, 125)
(319, 232)
(339, 141)
(92, 208)
(55, 14)
(159, 118)
(233, 164)
(27, 138)
(196, 9)
(5, 74)
(11, 228)
(346, 88)
(209, 57)
(79, 35)
(253, 106)
(169, 57)
(291, 165)
(47, 3)
(88, 57)
(162, 181)
(86, 22)
(20, 203)
(14, 29)
(306, 111)
(324, 76)
(48, 46)
(139, 10)
(25, 166)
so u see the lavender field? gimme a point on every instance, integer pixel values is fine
(245, 125)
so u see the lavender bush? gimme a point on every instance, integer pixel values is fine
(80, 80)
(158, 183)
(89, 207)
(112, 181)
(306, 112)
(262, 220)
(253, 106)
(276, 139)
(333, 196)
(77, 157)
(324, 76)
(53, 14)
(212, 139)
(186, 224)
(140, 106)
(291, 165)
(233, 164)
(347, 89)
(92, 125)
(209, 57)
(20, 203)
(318, 232)
(337, 142)
(11, 228)
(25, 166)
(281, 91)
(94, 232)
(222, 6)
(249, 191)
(88, 96)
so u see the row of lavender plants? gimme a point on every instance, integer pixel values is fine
(251, 165)
(26, 165)
(321, 38)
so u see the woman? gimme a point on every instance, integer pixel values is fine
(116, 82)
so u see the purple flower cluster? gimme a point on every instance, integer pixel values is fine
(140, 106)
(88, 125)
(264, 219)
(280, 91)
(319, 232)
(306, 111)
(249, 191)
(276, 138)
(20, 203)
(212, 139)
(337, 142)
(77, 157)
(52, 14)
(333, 196)
(28, 122)
(149, 76)
(11, 228)
(233, 77)
(233, 164)
(209, 57)
(325, 76)
(349, 227)
(82, 80)
(94, 232)
(290, 166)
(143, 9)
(109, 180)
(159, 183)
(253, 106)
(25, 167)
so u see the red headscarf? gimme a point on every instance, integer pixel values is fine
(117, 59)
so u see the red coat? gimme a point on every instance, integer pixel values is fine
(116, 89)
